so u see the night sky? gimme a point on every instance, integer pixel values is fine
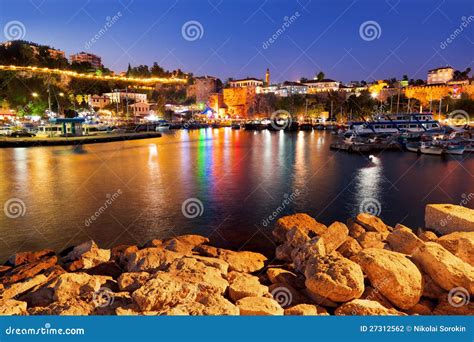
(323, 35)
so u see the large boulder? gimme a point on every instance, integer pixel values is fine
(373, 239)
(132, 281)
(461, 244)
(184, 244)
(304, 222)
(403, 240)
(28, 257)
(335, 278)
(393, 274)
(303, 254)
(28, 270)
(244, 261)
(217, 305)
(283, 251)
(85, 256)
(448, 218)
(371, 223)
(365, 307)
(24, 286)
(446, 269)
(279, 275)
(11, 307)
(245, 285)
(164, 291)
(150, 259)
(259, 306)
(349, 248)
(334, 236)
(355, 229)
(74, 285)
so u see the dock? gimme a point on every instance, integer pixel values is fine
(364, 148)
(82, 140)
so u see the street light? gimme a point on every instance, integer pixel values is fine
(34, 94)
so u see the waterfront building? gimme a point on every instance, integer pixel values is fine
(99, 102)
(440, 75)
(239, 100)
(140, 109)
(201, 89)
(121, 96)
(315, 86)
(85, 57)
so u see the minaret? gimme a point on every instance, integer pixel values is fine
(267, 77)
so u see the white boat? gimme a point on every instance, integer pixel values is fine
(454, 149)
(396, 123)
(413, 147)
(428, 148)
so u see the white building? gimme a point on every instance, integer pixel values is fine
(246, 82)
(293, 88)
(440, 75)
(98, 101)
(121, 96)
(140, 109)
(315, 86)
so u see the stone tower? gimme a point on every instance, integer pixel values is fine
(267, 77)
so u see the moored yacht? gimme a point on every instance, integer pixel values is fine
(396, 123)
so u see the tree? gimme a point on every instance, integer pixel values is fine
(320, 76)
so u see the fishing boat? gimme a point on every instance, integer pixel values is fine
(429, 148)
(413, 146)
(454, 149)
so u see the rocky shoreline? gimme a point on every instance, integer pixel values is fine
(361, 267)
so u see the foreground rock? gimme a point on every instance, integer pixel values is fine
(335, 278)
(302, 222)
(461, 244)
(259, 306)
(446, 269)
(396, 277)
(448, 218)
(364, 307)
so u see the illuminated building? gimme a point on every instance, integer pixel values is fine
(202, 88)
(97, 101)
(246, 82)
(239, 100)
(121, 96)
(315, 86)
(440, 75)
(85, 57)
(267, 77)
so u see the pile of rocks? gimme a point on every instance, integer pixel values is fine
(363, 267)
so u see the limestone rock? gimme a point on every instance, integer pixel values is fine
(164, 291)
(28, 270)
(221, 265)
(393, 274)
(11, 307)
(446, 269)
(426, 235)
(448, 218)
(71, 307)
(121, 253)
(364, 307)
(26, 285)
(349, 248)
(75, 285)
(286, 295)
(208, 251)
(150, 259)
(374, 294)
(86, 255)
(373, 240)
(245, 285)
(455, 304)
(184, 244)
(335, 278)
(218, 306)
(28, 257)
(283, 251)
(132, 281)
(424, 307)
(279, 275)
(430, 288)
(371, 223)
(334, 236)
(403, 240)
(461, 244)
(304, 222)
(355, 229)
(247, 262)
(259, 306)
(297, 237)
(305, 310)
(303, 254)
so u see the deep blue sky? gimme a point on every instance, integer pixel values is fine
(325, 36)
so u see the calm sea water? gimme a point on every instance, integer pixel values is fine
(244, 180)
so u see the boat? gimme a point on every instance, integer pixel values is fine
(396, 123)
(429, 148)
(306, 126)
(236, 126)
(413, 147)
(454, 149)
(163, 125)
